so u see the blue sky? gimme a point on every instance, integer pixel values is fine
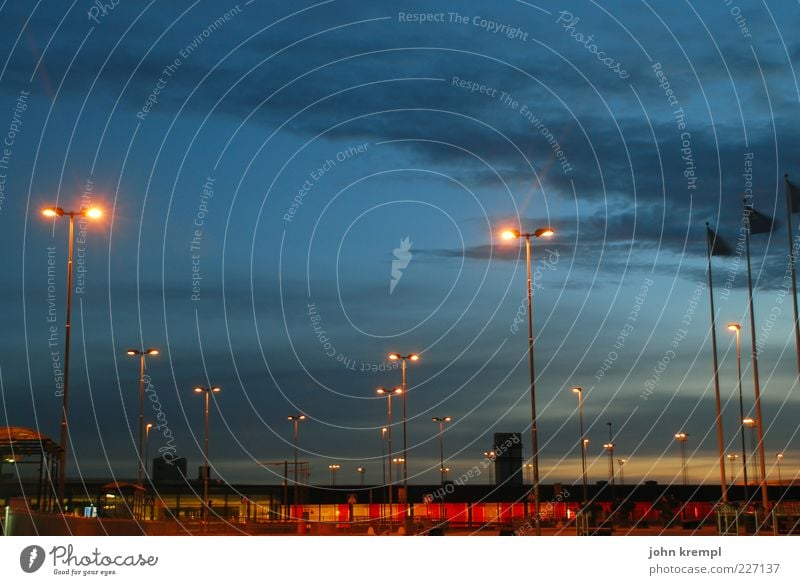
(369, 123)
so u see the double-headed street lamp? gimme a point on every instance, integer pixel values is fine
(387, 432)
(296, 418)
(681, 438)
(53, 212)
(208, 391)
(334, 467)
(403, 359)
(441, 420)
(582, 441)
(511, 234)
(736, 328)
(141, 353)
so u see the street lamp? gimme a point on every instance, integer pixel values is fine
(208, 391)
(441, 420)
(53, 212)
(778, 458)
(621, 463)
(147, 428)
(529, 472)
(609, 447)
(388, 433)
(681, 438)
(334, 467)
(361, 471)
(403, 359)
(750, 423)
(490, 455)
(511, 234)
(582, 444)
(141, 353)
(732, 457)
(296, 418)
(736, 328)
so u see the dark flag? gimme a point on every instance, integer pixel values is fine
(719, 247)
(759, 223)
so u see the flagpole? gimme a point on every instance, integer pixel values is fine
(756, 389)
(789, 212)
(718, 404)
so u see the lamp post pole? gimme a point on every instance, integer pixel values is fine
(296, 418)
(141, 353)
(582, 440)
(681, 438)
(778, 457)
(147, 428)
(508, 235)
(736, 328)
(53, 212)
(403, 359)
(388, 394)
(206, 469)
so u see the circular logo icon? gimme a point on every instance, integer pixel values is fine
(31, 558)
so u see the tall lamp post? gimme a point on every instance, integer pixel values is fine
(778, 458)
(621, 463)
(208, 391)
(681, 438)
(736, 328)
(403, 359)
(510, 235)
(751, 424)
(147, 428)
(732, 457)
(582, 443)
(53, 212)
(334, 467)
(361, 471)
(609, 447)
(296, 418)
(388, 428)
(141, 353)
(490, 455)
(441, 420)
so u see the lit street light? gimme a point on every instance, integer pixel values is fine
(621, 463)
(681, 438)
(511, 234)
(582, 444)
(147, 428)
(53, 212)
(141, 353)
(361, 471)
(388, 434)
(609, 447)
(208, 391)
(441, 420)
(490, 455)
(732, 457)
(296, 418)
(334, 467)
(529, 472)
(751, 424)
(403, 359)
(778, 458)
(736, 328)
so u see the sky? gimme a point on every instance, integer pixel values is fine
(293, 190)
